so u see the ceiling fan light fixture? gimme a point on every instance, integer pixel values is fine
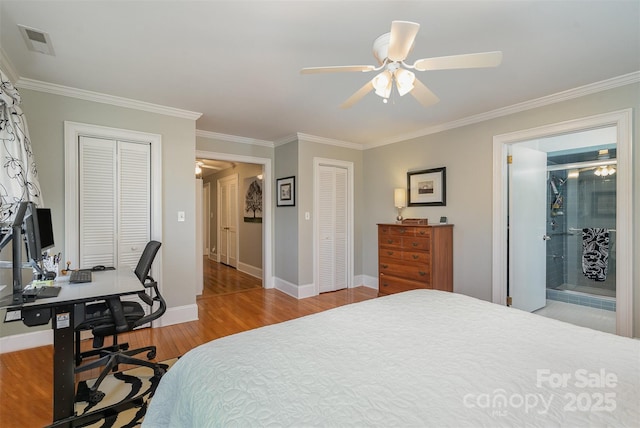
(383, 83)
(404, 81)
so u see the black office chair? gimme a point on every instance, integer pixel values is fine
(113, 317)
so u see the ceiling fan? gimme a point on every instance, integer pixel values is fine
(218, 166)
(391, 50)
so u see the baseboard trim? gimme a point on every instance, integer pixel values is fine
(18, 342)
(368, 281)
(296, 291)
(250, 270)
(178, 315)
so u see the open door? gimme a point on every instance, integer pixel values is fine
(527, 228)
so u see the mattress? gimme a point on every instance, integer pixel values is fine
(419, 358)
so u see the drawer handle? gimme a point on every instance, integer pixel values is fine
(422, 273)
(402, 231)
(415, 244)
(389, 241)
(390, 253)
(416, 257)
(385, 266)
(422, 232)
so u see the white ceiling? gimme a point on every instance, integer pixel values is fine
(238, 62)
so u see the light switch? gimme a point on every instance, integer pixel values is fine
(307, 216)
(180, 215)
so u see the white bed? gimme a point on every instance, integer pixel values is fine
(420, 358)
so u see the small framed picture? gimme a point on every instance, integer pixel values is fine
(286, 190)
(427, 187)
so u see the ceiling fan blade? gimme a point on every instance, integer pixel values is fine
(357, 96)
(423, 94)
(403, 34)
(337, 69)
(475, 60)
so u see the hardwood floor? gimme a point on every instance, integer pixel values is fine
(26, 376)
(222, 279)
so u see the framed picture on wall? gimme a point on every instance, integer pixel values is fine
(427, 187)
(253, 200)
(286, 191)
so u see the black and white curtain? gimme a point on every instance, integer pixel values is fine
(18, 173)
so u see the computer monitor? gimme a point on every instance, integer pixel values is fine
(38, 233)
(45, 226)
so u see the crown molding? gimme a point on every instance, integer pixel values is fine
(7, 66)
(329, 141)
(570, 94)
(67, 91)
(233, 138)
(285, 140)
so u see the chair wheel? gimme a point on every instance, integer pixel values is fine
(151, 355)
(95, 397)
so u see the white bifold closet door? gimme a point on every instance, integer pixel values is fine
(332, 228)
(115, 202)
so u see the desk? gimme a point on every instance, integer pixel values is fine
(109, 283)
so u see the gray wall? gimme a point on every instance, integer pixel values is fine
(46, 114)
(286, 262)
(467, 154)
(306, 152)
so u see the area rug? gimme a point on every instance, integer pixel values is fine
(127, 396)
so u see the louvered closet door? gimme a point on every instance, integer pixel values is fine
(332, 224)
(114, 202)
(98, 226)
(134, 163)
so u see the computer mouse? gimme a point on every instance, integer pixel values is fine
(99, 267)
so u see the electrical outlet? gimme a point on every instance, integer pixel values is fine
(180, 215)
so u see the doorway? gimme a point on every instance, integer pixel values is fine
(621, 122)
(266, 229)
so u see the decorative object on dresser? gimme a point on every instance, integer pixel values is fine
(427, 187)
(399, 201)
(414, 256)
(424, 221)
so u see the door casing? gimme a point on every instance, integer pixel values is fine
(622, 120)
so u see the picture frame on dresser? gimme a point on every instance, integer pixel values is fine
(427, 187)
(286, 191)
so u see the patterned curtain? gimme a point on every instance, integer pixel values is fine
(18, 174)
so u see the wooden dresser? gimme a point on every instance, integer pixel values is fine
(414, 256)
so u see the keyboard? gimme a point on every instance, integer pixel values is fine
(31, 294)
(78, 276)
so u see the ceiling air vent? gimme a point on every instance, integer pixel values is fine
(36, 40)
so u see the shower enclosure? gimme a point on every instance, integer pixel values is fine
(581, 200)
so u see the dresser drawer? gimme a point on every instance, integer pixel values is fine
(415, 271)
(410, 243)
(390, 284)
(392, 255)
(398, 230)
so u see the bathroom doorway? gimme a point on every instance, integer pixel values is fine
(567, 154)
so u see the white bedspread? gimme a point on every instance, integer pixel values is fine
(420, 358)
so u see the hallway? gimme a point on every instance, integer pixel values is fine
(220, 279)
